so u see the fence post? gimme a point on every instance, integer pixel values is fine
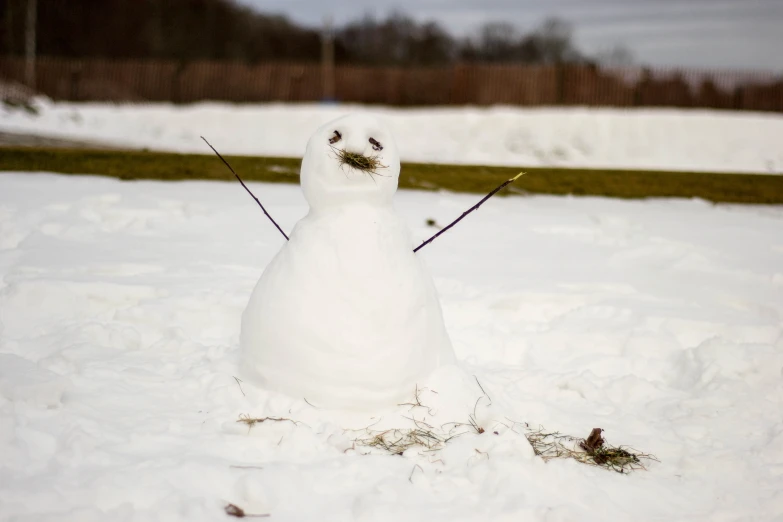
(176, 82)
(30, 41)
(738, 98)
(327, 60)
(559, 83)
(780, 93)
(75, 70)
(9, 29)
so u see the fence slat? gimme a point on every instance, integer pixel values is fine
(463, 83)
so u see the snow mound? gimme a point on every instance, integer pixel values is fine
(654, 139)
(24, 381)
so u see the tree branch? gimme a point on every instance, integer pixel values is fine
(245, 187)
(427, 242)
(471, 209)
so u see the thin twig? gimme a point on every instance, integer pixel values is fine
(238, 383)
(370, 166)
(245, 187)
(482, 389)
(252, 421)
(417, 402)
(410, 477)
(478, 451)
(471, 209)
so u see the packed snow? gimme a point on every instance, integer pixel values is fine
(346, 313)
(657, 139)
(659, 321)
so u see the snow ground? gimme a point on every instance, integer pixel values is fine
(657, 139)
(659, 321)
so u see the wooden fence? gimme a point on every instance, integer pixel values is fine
(476, 84)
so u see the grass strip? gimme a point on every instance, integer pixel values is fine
(144, 165)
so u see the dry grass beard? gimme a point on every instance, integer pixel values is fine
(360, 162)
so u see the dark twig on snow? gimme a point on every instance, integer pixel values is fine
(416, 403)
(252, 421)
(472, 418)
(471, 209)
(239, 381)
(233, 510)
(245, 187)
(482, 389)
(369, 165)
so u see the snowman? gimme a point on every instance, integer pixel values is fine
(346, 315)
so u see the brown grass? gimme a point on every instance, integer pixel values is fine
(138, 165)
(553, 445)
(360, 162)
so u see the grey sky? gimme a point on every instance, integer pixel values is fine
(734, 34)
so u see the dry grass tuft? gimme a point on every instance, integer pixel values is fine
(592, 451)
(429, 439)
(360, 162)
(397, 441)
(252, 421)
(416, 403)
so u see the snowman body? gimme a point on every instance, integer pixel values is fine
(346, 315)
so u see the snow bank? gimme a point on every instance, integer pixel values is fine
(664, 139)
(120, 304)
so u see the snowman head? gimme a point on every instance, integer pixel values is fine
(350, 159)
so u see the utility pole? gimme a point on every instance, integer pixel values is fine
(29, 45)
(327, 60)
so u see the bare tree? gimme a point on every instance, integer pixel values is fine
(501, 42)
(554, 41)
(617, 56)
(185, 30)
(397, 40)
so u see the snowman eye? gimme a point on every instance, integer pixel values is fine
(376, 145)
(335, 138)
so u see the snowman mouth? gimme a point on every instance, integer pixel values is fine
(360, 162)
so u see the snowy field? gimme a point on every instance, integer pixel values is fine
(657, 139)
(659, 321)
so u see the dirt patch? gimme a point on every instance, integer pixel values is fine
(12, 139)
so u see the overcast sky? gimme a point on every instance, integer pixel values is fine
(734, 34)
